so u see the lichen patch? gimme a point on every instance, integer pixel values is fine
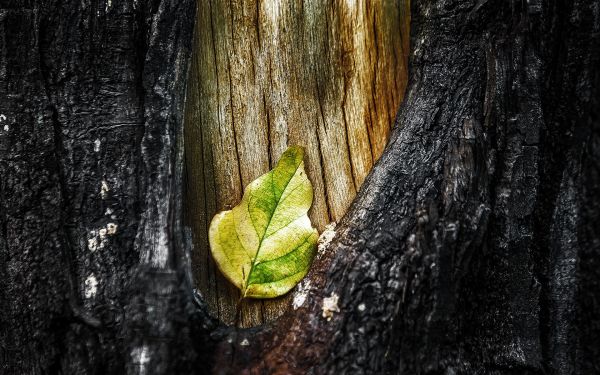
(301, 294)
(325, 238)
(111, 229)
(330, 306)
(98, 238)
(90, 286)
(93, 243)
(104, 189)
(3, 118)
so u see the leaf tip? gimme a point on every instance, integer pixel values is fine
(295, 153)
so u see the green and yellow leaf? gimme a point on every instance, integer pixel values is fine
(266, 243)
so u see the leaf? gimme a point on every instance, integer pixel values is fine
(266, 243)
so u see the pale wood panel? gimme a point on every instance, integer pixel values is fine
(327, 75)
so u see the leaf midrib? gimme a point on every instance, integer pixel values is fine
(268, 223)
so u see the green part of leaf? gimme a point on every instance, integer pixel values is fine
(266, 243)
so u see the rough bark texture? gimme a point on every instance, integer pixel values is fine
(91, 104)
(472, 246)
(327, 75)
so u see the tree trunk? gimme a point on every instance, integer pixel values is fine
(325, 75)
(472, 246)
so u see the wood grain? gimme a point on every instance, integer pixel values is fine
(267, 74)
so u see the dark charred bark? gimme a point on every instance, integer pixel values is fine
(473, 246)
(91, 97)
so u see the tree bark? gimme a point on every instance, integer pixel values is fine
(328, 76)
(472, 246)
(91, 104)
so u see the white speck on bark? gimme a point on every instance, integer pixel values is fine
(97, 239)
(90, 286)
(97, 145)
(3, 118)
(325, 239)
(140, 357)
(418, 44)
(93, 244)
(111, 228)
(362, 307)
(301, 294)
(104, 189)
(245, 342)
(330, 306)
(109, 211)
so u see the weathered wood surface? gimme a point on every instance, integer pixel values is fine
(268, 74)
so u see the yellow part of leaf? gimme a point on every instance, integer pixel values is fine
(266, 243)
